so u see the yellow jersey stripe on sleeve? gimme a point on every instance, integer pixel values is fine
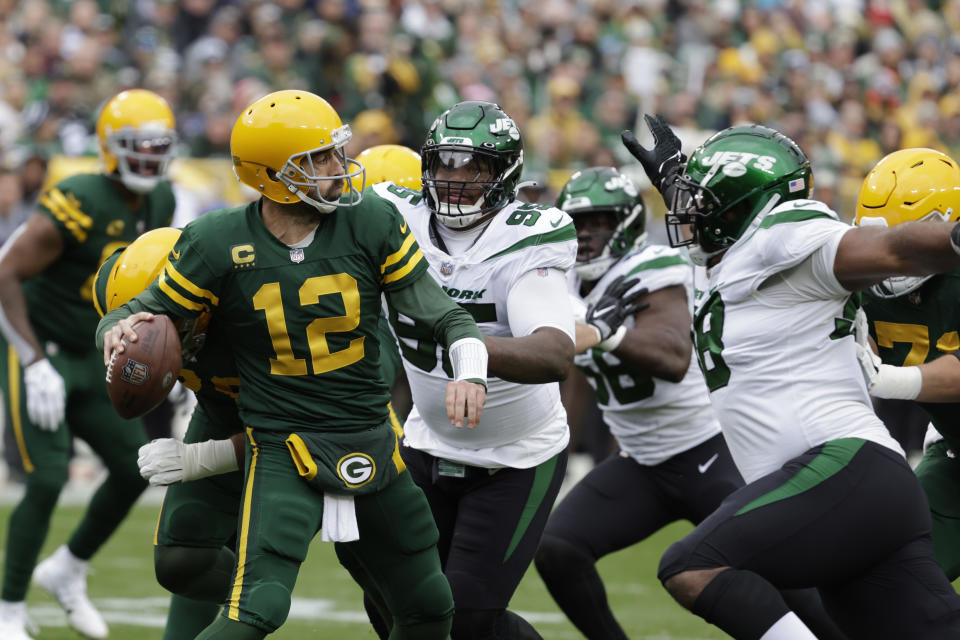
(400, 273)
(188, 286)
(59, 207)
(399, 254)
(70, 207)
(176, 296)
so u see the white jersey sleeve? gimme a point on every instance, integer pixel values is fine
(779, 241)
(539, 299)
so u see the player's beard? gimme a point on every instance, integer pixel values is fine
(330, 189)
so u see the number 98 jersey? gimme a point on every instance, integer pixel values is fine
(523, 424)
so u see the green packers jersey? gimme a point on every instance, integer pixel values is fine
(94, 220)
(302, 322)
(919, 327)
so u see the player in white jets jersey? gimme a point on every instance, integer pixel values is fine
(673, 462)
(831, 502)
(490, 488)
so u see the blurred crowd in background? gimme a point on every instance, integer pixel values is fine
(849, 80)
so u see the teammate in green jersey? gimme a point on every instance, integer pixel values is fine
(52, 376)
(915, 321)
(296, 281)
(194, 540)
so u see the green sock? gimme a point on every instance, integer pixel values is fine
(226, 629)
(188, 617)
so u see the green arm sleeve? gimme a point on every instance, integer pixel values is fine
(426, 302)
(146, 301)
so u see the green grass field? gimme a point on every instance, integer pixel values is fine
(327, 602)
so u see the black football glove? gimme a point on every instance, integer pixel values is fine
(665, 161)
(608, 313)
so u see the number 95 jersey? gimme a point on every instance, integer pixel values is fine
(522, 424)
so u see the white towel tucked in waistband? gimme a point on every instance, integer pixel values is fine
(339, 519)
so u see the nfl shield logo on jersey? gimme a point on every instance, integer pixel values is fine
(446, 268)
(296, 255)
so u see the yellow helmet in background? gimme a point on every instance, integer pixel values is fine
(136, 268)
(909, 185)
(390, 163)
(273, 142)
(137, 133)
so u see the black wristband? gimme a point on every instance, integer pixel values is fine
(955, 237)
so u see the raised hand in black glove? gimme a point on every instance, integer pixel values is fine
(609, 312)
(665, 161)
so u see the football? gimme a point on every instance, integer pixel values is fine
(141, 377)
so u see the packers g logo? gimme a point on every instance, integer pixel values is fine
(356, 469)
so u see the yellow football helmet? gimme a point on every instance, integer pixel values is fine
(390, 163)
(908, 185)
(135, 269)
(273, 145)
(138, 266)
(137, 133)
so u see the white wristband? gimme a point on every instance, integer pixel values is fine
(614, 341)
(210, 458)
(897, 383)
(469, 359)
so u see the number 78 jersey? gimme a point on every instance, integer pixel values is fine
(522, 424)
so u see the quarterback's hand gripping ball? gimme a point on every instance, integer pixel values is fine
(141, 375)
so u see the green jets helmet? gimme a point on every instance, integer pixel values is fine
(735, 176)
(605, 190)
(472, 160)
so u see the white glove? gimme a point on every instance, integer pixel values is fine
(46, 394)
(167, 460)
(884, 380)
(161, 461)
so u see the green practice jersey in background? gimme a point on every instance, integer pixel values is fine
(93, 219)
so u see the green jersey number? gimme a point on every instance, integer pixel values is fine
(525, 214)
(404, 192)
(268, 300)
(626, 387)
(708, 336)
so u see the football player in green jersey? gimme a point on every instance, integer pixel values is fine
(194, 540)
(295, 281)
(194, 543)
(52, 375)
(914, 322)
